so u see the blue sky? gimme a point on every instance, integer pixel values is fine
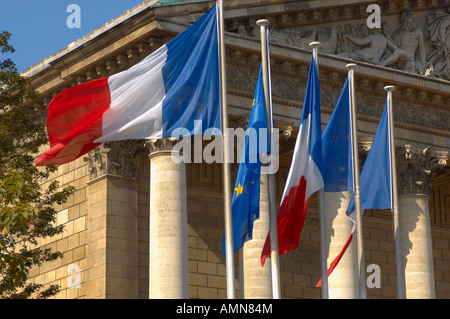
(39, 27)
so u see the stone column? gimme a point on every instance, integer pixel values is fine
(168, 265)
(415, 168)
(256, 281)
(112, 224)
(343, 282)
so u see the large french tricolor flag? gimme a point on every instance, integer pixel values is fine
(305, 173)
(177, 86)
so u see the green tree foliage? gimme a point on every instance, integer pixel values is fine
(27, 212)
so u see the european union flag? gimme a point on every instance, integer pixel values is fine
(245, 202)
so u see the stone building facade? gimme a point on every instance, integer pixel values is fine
(141, 226)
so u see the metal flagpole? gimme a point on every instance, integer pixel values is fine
(322, 227)
(276, 292)
(359, 231)
(229, 251)
(398, 258)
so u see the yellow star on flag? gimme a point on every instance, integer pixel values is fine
(239, 189)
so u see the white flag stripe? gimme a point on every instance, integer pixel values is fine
(136, 101)
(303, 164)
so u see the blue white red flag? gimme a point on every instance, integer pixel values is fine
(338, 156)
(177, 86)
(305, 173)
(376, 175)
(375, 179)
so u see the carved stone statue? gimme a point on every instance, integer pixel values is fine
(410, 46)
(437, 32)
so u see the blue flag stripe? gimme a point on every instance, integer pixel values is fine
(191, 78)
(311, 105)
(337, 146)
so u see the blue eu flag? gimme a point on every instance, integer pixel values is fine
(245, 202)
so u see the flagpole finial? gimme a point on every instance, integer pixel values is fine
(389, 88)
(315, 47)
(262, 23)
(315, 44)
(351, 66)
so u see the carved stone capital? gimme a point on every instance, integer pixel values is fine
(243, 121)
(162, 146)
(114, 158)
(286, 128)
(416, 167)
(364, 144)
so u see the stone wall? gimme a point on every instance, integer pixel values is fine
(71, 270)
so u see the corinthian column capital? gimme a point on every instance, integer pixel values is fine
(117, 158)
(162, 146)
(415, 168)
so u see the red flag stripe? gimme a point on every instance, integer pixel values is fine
(75, 121)
(336, 260)
(290, 220)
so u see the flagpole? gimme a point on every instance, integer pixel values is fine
(359, 231)
(322, 226)
(398, 258)
(274, 259)
(226, 156)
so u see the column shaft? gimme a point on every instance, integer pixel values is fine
(257, 280)
(168, 264)
(417, 253)
(343, 282)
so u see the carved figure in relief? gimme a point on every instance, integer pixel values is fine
(374, 45)
(409, 41)
(410, 48)
(302, 39)
(438, 34)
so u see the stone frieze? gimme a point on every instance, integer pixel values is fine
(416, 42)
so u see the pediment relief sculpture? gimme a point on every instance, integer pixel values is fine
(437, 33)
(409, 47)
(370, 48)
(301, 39)
(421, 48)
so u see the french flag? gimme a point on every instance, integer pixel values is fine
(376, 176)
(305, 173)
(337, 145)
(177, 86)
